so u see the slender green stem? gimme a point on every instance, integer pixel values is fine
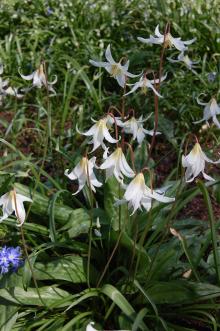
(90, 226)
(208, 203)
(25, 249)
(187, 253)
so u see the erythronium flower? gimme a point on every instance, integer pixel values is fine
(115, 69)
(135, 127)
(138, 194)
(13, 202)
(211, 110)
(194, 163)
(39, 79)
(84, 173)
(116, 164)
(169, 40)
(5, 89)
(90, 327)
(185, 59)
(145, 83)
(99, 132)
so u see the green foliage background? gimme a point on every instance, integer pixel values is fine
(154, 295)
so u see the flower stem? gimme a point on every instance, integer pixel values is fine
(26, 252)
(156, 98)
(208, 203)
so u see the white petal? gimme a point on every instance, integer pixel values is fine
(189, 42)
(157, 32)
(179, 44)
(28, 77)
(135, 87)
(215, 120)
(4, 217)
(108, 137)
(20, 213)
(207, 177)
(121, 79)
(125, 168)
(71, 175)
(21, 198)
(148, 84)
(108, 55)
(98, 63)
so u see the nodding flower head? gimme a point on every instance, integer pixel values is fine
(211, 110)
(115, 69)
(169, 41)
(84, 173)
(139, 195)
(194, 163)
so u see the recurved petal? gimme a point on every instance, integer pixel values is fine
(4, 217)
(125, 168)
(148, 84)
(134, 88)
(4, 198)
(98, 63)
(108, 137)
(108, 163)
(53, 81)
(90, 132)
(20, 213)
(215, 120)
(71, 175)
(108, 55)
(121, 79)
(160, 197)
(132, 75)
(209, 160)
(179, 44)
(21, 198)
(27, 77)
(94, 181)
(189, 42)
(157, 32)
(207, 177)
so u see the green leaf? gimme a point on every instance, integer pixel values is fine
(176, 292)
(8, 316)
(49, 294)
(75, 220)
(69, 268)
(115, 295)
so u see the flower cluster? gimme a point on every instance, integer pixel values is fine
(10, 259)
(137, 194)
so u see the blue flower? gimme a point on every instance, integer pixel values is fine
(10, 259)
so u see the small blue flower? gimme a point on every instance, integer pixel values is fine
(10, 259)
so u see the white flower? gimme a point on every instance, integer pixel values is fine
(115, 69)
(138, 194)
(90, 327)
(116, 164)
(145, 83)
(169, 40)
(84, 173)
(211, 110)
(185, 59)
(39, 79)
(99, 132)
(13, 202)
(135, 127)
(194, 163)
(5, 89)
